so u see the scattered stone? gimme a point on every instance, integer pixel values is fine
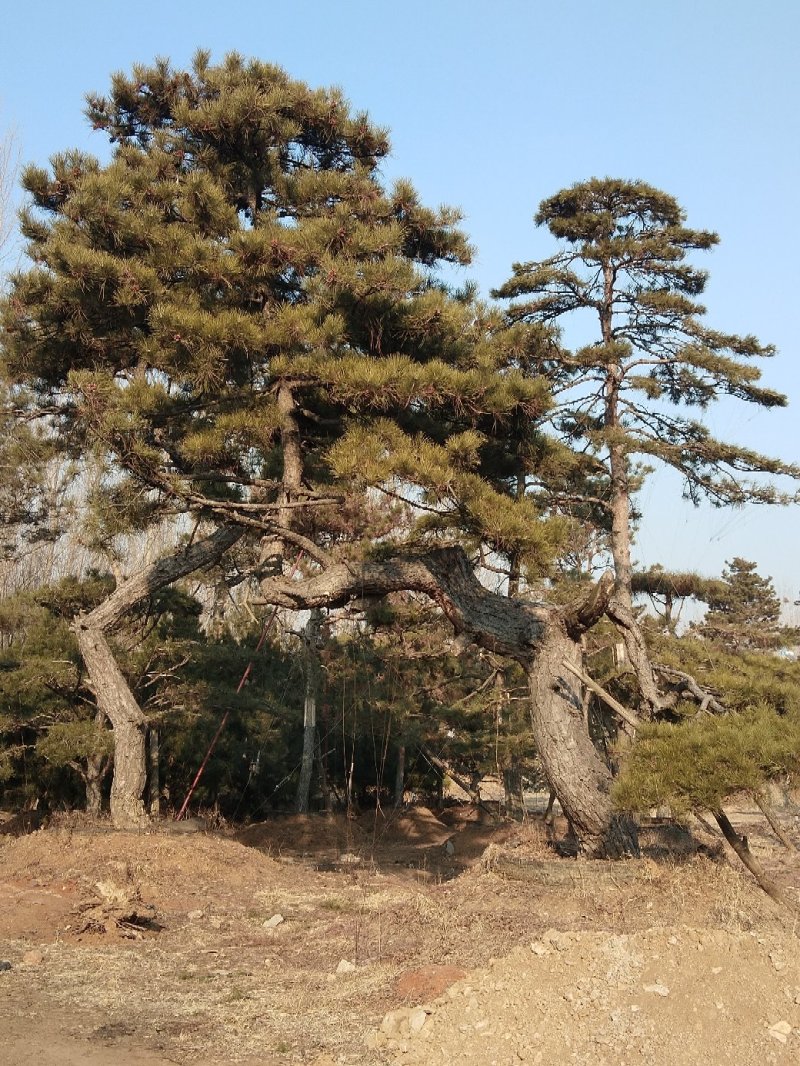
(274, 921)
(417, 1019)
(345, 966)
(395, 1024)
(780, 1031)
(657, 990)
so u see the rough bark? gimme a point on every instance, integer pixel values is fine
(129, 726)
(113, 694)
(575, 770)
(538, 636)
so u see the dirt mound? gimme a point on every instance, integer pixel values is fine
(303, 834)
(47, 874)
(268, 955)
(416, 826)
(681, 996)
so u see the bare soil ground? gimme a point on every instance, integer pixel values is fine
(413, 939)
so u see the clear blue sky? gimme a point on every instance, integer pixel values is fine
(494, 106)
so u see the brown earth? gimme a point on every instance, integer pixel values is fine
(309, 939)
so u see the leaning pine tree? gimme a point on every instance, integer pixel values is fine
(239, 319)
(630, 392)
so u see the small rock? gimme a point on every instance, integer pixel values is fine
(395, 1024)
(274, 922)
(4, 965)
(194, 915)
(417, 1019)
(657, 990)
(716, 969)
(33, 958)
(538, 948)
(345, 966)
(780, 1031)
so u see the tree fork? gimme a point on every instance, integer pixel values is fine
(113, 694)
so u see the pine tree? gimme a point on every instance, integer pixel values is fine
(743, 610)
(246, 326)
(629, 393)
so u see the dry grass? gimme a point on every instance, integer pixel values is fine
(223, 986)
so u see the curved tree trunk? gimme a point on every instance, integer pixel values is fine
(116, 701)
(576, 772)
(540, 637)
(113, 694)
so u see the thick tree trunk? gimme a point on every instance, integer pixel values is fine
(113, 694)
(572, 764)
(115, 700)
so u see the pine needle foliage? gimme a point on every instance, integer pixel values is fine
(697, 765)
(624, 259)
(744, 611)
(236, 286)
(697, 759)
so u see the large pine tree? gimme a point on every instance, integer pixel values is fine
(629, 393)
(247, 327)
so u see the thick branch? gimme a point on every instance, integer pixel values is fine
(159, 574)
(689, 686)
(606, 697)
(509, 627)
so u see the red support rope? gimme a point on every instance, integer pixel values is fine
(247, 671)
